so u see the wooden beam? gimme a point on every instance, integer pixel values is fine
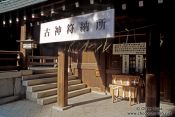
(130, 35)
(62, 79)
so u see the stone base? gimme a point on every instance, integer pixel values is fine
(8, 99)
(58, 108)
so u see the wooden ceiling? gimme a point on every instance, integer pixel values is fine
(151, 11)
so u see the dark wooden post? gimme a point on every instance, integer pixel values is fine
(62, 79)
(153, 74)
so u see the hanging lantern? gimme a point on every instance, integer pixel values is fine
(4, 22)
(42, 13)
(24, 17)
(160, 1)
(63, 7)
(76, 4)
(17, 19)
(33, 15)
(91, 1)
(123, 6)
(141, 3)
(52, 11)
(10, 20)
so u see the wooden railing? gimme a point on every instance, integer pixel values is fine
(42, 61)
(11, 60)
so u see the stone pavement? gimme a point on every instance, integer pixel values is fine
(87, 105)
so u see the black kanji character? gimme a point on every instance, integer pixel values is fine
(84, 26)
(70, 28)
(46, 34)
(57, 30)
(100, 24)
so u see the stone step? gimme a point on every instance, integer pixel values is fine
(41, 87)
(78, 92)
(38, 76)
(74, 82)
(50, 70)
(72, 77)
(53, 99)
(29, 96)
(76, 87)
(45, 93)
(70, 73)
(47, 100)
(40, 90)
(46, 75)
(39, 81)
(41, 71)
(53, 91)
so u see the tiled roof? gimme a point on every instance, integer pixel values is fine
(8, 5)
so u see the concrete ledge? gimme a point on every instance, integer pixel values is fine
(8, 99)
(26, 72)
(14, 74)
(58, 108)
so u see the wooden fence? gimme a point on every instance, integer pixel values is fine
(11, 60)
(42, 61)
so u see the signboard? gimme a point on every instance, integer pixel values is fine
(129, 48)
(89, 26)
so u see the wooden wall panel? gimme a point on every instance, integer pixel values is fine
(89, 57)
(92, 76)
(91, 69)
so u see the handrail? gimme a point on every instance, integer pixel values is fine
(44, 57)
(11, 60)
(8, 52)
(42, 61)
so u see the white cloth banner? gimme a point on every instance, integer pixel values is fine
(89, 26)
(125, 64)
(139, 63)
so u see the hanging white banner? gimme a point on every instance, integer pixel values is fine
(89, 26)
(125, 64)
(139, 63)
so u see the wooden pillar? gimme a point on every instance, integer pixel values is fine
(153, 74)
(62, 79)
(23, 37)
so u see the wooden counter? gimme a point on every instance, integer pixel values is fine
(125, 79)
(125, 86)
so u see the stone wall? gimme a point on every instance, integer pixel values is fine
(11, 85)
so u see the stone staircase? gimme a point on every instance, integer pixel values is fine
(42, 86)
